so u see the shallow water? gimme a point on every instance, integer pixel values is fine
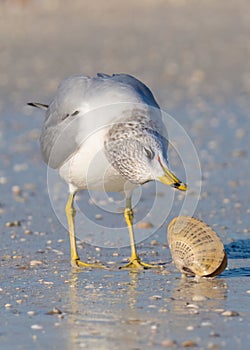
(205, 86)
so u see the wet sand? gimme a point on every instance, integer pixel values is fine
(194, 57)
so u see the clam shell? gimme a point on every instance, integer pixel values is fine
(196, 249)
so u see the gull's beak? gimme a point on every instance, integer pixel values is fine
(170, 179)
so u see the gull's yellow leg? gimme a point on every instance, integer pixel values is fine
(134, 261)
(70, 213)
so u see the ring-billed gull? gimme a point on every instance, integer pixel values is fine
(105, 133)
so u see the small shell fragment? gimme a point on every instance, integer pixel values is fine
(144, 224)
(230, 313)
(196, 249)
(36, 327)
(54, 311)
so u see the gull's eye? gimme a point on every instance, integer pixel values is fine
(148, 152)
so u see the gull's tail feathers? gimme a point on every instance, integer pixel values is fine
(38, 105)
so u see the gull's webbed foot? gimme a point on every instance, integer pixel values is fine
(79, 263)
(136, 263)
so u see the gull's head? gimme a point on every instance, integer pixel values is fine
(140, 155)
(154, 156)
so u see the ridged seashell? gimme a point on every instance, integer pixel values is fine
(195, 247)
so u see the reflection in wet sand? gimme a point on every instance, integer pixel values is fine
(117, 308)
(207, 292)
